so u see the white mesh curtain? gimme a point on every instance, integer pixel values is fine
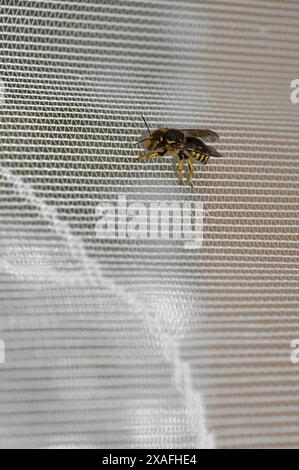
(141, 343)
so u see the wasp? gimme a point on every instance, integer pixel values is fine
(187, 144)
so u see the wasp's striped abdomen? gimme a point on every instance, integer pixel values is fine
(202, 158)
(196, 149)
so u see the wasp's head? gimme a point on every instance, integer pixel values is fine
(155, 140)
(152, 140)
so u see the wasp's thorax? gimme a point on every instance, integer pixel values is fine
(164, 138)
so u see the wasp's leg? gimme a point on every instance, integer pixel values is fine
(191, 171)
(147, 156)
(179, 170)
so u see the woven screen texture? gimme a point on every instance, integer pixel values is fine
(142, 343)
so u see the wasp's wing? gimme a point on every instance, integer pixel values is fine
(213, 152)
(204, 148)
(205, 134)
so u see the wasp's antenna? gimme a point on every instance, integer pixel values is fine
(146, 124)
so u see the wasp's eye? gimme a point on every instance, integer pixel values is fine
(156, 139)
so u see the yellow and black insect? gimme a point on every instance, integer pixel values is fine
(187, 144)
